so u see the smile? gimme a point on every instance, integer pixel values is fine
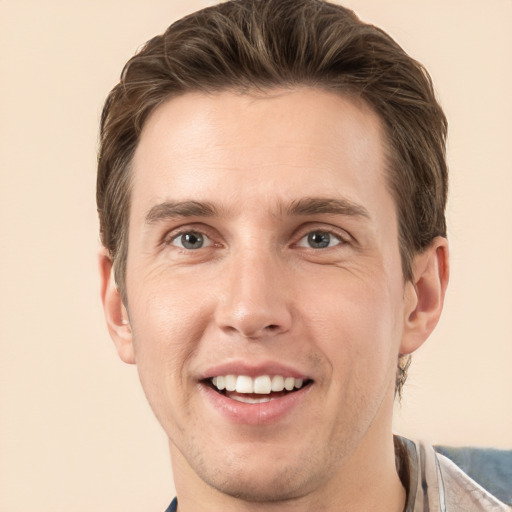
(260, 389)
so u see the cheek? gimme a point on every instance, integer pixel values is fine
(162, 307)
(166, 330)
(165, 324)
(357, 326)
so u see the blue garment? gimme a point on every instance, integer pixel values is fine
(173, 506)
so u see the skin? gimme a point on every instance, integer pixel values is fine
(257, 291)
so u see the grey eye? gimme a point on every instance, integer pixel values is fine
(191, 240)
(319, 240)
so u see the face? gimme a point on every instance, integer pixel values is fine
(265, 297)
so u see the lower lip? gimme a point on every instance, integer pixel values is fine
(264, 413)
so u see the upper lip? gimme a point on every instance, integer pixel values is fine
(252, 370)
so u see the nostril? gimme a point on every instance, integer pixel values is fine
(270, 329)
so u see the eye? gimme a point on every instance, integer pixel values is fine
(191, 240)
(319, 240)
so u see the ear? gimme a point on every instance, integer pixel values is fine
(424, 295)
(116, 314)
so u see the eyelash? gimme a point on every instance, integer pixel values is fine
(195, 233)
(174, 235)
(342, 240)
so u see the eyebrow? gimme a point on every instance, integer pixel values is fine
(169, 210)
(320, 205)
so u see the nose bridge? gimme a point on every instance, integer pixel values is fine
(255, 299)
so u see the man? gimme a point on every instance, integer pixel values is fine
(271, 190)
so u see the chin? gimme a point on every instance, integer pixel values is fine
(257, 478)
(262, 488)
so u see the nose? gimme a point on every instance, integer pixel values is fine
(255, 299)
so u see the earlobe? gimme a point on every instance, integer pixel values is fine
(116, 314)
(424, 295)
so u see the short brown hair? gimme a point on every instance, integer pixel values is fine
(248, 45)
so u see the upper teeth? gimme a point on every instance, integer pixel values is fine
(263, 384)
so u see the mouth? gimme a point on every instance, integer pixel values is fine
(256, 390)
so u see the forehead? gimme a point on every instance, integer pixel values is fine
(276, 146)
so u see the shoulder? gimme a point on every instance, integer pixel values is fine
(436, 484)
(463, 493)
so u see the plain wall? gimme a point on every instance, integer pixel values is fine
(75, 430)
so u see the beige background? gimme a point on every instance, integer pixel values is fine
(75, 430)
